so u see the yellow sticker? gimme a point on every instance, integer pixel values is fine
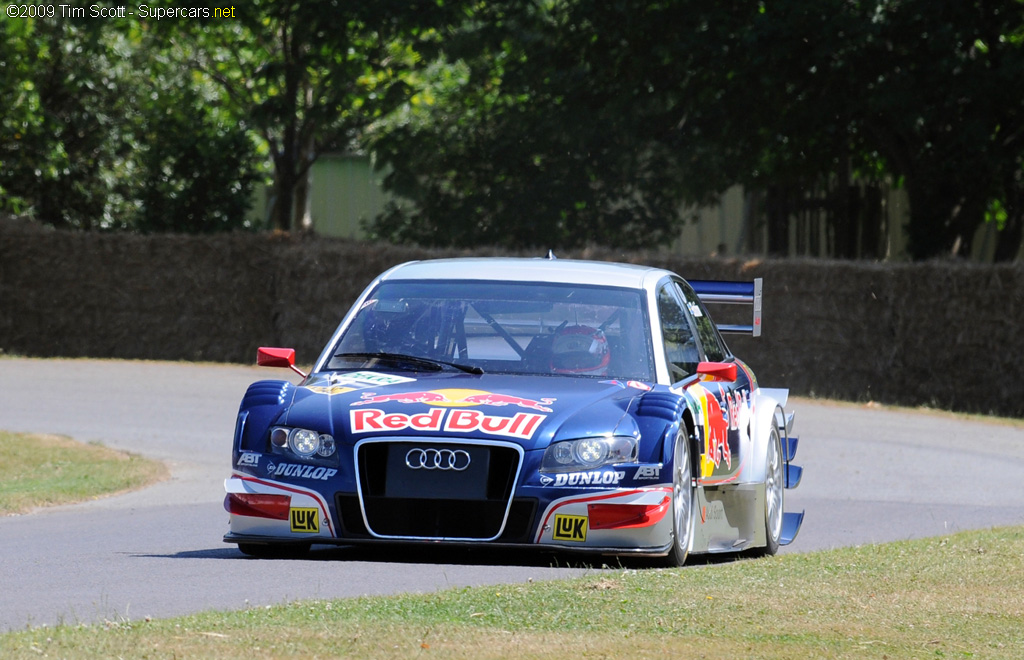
(570, 528)
(305, 521)
(333, 389)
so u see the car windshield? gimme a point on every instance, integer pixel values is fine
(500, 327)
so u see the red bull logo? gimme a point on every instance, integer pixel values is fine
(522, 425)
(492, 399)
(402, 397)
(456, 398)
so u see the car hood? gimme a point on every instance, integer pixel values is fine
(532, 411)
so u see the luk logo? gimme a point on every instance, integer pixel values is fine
(570, 528)
(305, 521)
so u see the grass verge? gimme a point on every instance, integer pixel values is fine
(954, 597)
(45, 470)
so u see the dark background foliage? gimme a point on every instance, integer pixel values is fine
(565, 123)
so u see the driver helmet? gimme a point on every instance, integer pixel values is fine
(580, 349)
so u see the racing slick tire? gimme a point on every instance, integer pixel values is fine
(682, 503)
(774, 494)
(274, 550)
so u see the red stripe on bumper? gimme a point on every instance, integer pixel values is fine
(258, 505)
(624, 516)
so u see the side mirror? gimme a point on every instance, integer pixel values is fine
(724, 371)
(277, 357)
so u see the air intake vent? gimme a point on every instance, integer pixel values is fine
(437, 490)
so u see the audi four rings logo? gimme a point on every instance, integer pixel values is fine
(437, 459)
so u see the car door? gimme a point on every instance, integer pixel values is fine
(690, 337)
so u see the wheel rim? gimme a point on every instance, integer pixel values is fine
(773, 489)
(682, 495)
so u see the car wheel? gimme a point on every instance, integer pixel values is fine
(274, 550)
(774, 489)
(682, 502)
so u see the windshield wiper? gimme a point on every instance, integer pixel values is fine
(437, 365)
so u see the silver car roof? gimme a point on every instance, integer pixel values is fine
(558, 271)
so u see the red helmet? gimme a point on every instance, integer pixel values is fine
(580, 349)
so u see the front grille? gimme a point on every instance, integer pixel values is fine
(438, 497)
(518, 526)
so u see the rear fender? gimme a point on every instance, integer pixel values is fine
(767, 412)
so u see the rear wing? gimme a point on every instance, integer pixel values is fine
(733, 293)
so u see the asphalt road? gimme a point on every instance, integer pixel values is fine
(871, 475)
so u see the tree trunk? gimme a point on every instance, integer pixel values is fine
(777, 214)
(286, 160)
(1010, 238)
(301, 212)
(942, 219)
(284, 188)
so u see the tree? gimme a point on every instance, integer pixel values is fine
(518, 140)
(580, 120)
(18, 115)
(309, 76)
(939, 101)
(62, 121)
(101, 131)
(198, 162)
(584, 121)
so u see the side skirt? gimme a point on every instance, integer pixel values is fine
(726, 518)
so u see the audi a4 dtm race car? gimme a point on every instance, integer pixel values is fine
(558, 404)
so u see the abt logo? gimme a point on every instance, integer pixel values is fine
(249, 459)
(647, 472)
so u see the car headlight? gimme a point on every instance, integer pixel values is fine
(587, 453)
(303, 442)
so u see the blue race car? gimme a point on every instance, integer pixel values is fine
(557, 404)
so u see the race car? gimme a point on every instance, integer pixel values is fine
(530, 403)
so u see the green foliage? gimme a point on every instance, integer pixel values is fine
(63, 127)
(580, 121)
(103, 132)
(553, 123)
(524, 145)
(309, 76)
(200, 163)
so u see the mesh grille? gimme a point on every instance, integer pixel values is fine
(438, 501)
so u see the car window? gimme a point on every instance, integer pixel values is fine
(681, 350)
(505, 327)
(710, 339)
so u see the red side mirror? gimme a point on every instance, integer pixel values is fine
(724, 371)
(277, 357)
